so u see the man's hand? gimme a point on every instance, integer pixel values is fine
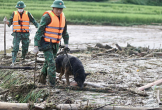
(5, 20)
(35, 50)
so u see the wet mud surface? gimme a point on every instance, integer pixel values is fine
(120, 72)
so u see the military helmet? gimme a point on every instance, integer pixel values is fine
(58, 4)
(20, 4)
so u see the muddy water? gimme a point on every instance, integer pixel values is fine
(81, 36)
(118, 73)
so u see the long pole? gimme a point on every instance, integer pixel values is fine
(35, 68)
(4, 38)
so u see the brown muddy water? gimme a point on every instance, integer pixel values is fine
(81, 36)
(113, 70)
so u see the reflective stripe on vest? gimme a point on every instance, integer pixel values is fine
(21, 24)
(53, 31)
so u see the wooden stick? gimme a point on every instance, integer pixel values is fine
(158, 97)
(5, 37)
(16, 67)
(150, 84)
(21, 106)
(118, 47)
(68, 106)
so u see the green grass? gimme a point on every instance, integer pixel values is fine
(94, 13)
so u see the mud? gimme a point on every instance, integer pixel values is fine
(120, 71)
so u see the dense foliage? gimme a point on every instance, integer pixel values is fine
(144, 2)
(94, 13)
(88, 0)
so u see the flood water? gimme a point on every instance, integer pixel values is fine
(81, 36)
(117, 71)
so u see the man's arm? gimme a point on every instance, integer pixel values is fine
(9, 23)
(31, 18)
(45, 20)
(65, 35)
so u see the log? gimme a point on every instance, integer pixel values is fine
(118, 47)
(99, 88)
(68, 106)
(21, 106)
(13, 106)
(150, 84)
(129, 108)
(154, 54)
(42, 106)
(136, 59)
(111, 50)
(94, 85)
(17, 67)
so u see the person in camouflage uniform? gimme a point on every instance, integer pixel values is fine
(20, 20)
(52, 28)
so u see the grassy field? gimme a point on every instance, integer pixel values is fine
(95, 13)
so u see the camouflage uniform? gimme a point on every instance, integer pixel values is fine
(21, 36)
(49, 49)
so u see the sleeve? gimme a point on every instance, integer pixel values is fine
(65, 34)
(11, 20)
(45, 20)
(33, 20)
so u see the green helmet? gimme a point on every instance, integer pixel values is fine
(20, 4)
(58, 4)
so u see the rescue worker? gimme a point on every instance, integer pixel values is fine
(20, 20)
(52, 28)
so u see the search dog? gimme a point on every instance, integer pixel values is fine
(70, 65)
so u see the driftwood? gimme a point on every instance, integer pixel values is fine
(118, 47)
(110, 50)
(77, 50)
(21, 106)
(2, 92)
(128, 108)
(154, 54)
(94, 85)
(40, 60)
(42, 106)
(150, 84)
(158, 98)
(16, 67)
(68, 106)
(136, 59)
(99, 88)
(103, 90)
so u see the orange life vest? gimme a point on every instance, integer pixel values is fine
(21, 24)
(53, 31)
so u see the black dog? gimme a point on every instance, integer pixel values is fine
(70, 65)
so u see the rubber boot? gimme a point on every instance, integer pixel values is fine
(14, 54)
(23, 56)
(42, 79)
(52, 82)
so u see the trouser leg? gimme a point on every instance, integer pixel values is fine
(16, 42)
(25, 46)
(55, 50)
(43, 75)
(51, 70)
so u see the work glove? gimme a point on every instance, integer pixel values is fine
(35, 50)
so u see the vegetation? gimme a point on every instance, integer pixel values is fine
(94, 13)
(144, 2)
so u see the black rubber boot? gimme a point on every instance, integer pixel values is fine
(42, 79)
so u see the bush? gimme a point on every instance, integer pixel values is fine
(144, 2)
(88, 0)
